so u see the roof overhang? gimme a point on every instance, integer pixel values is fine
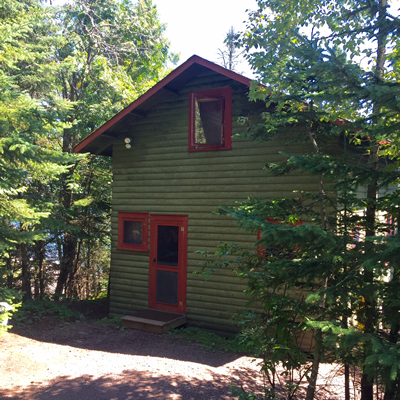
(101, 140)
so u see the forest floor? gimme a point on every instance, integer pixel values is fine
(86, 359)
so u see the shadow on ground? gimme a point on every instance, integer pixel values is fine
(91, 335)
(131, 385)
(125, 386)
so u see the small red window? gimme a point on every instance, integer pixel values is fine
(210, 119)
(133, 231)
(391, 223)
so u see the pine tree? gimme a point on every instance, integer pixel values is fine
(64, 72)
(113, 52)
(26, 123)
(230, 54)
(330, 73)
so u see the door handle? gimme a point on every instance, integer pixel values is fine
(154, 260)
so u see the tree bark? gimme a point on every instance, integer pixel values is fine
(26, 273)
(70, 241)
(73, 285)
(10, 280)
(40, 253)
(318, 352)
(67, 262)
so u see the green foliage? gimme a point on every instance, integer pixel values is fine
(116, 322)
(25, 121)
(102, 295)
(64, 71)
(12, 300)
(330, 82)
(32, 311)
(274, 320)
(211, 341)
(241, 394)
(115, 51)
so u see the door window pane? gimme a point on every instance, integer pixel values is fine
(133, 232)
(167, 245)
(167, 287)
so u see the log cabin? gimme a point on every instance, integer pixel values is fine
(176, 157)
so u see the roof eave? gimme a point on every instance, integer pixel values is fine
(171, 76)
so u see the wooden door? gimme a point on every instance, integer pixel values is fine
(168, 262)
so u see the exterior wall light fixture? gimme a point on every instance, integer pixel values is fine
(128, 142)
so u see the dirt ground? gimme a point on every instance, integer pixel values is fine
(88, 360)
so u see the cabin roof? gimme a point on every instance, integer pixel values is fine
(100, 141)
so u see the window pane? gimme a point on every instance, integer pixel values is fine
(167, 287)
(209, 121)
(167, 245)
(133, 231)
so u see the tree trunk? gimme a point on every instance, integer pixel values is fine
(318, 352)
(36, 284)
(10, 280)
(42, 254)
(88, 267)
(73, 285)
(26, 273)
(67, 262)
(109, 285)
(70, 241)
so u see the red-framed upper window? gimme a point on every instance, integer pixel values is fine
(210, 119)
(133, 231)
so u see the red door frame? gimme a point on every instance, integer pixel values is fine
(170, 220)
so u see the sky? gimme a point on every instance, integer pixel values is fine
(200, 26)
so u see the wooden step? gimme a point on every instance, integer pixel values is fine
(153, 320)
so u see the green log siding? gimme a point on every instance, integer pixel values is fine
(159, 175)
